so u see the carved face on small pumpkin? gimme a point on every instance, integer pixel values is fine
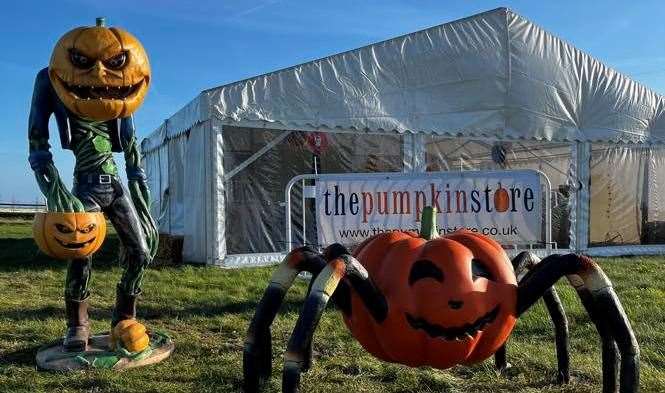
(451, 300)
(69, 235)
(100, 73)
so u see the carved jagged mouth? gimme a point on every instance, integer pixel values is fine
(467, 331)
(102, 92)
(74, 246)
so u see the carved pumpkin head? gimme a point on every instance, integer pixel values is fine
(69, 235)
(100, 73)
(451, 300)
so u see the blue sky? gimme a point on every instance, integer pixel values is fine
(201, 44)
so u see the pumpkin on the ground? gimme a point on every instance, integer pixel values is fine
(131, 335)
(69, 235)
(451, 300)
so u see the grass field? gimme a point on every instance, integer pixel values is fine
(206, 310)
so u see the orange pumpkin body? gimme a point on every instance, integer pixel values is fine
(422, 327)
(69, 235)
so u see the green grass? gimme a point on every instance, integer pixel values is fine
(207, 310)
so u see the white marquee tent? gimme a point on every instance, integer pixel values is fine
(450, 97)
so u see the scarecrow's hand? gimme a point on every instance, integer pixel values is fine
(40, 160)
(137, 185)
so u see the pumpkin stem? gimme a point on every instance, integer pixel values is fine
(428, 229)
(100, 22)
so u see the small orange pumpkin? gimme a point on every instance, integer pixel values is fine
(100, 73)
(501, 199)
(451, 300)
(131, 335)
(69, 235)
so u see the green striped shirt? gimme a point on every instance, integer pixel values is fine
(91, 144)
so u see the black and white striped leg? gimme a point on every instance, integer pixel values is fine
(604, 308)
(341, 266)
(610, 352)
(522, 263)
(257, 355)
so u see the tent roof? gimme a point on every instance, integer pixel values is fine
(494, 74)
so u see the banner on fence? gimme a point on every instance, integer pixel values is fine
(503, 204)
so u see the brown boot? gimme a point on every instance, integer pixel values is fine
(78, 326)
(125, 307)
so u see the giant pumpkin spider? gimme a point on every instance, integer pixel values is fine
(424, 300)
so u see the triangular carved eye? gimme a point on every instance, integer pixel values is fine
(478, 269)
(425, 269)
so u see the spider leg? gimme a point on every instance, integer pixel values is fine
(500, 361)
(603, 306)
(257, 355)
(522, 263)
(558, 316)
(341, 266)
(341, 298)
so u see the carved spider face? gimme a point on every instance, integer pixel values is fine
(69, 235)
(450, 300)
(100, 73)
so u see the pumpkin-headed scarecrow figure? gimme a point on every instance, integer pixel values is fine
(96, 79)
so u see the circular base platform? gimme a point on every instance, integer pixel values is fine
(99, 355)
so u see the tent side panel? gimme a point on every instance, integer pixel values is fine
(195, 195)
(177, 176)
(156, 166)
(150, 164)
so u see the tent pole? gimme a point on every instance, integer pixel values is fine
(580, 217)
(419, 158)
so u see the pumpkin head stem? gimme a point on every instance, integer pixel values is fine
(100, 21)
(428, 229)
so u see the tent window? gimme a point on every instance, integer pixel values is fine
(626, 204)
(255, 195)
(552, 158)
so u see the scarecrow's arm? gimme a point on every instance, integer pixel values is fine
(38, 133)
(58, 197)
(138, 188)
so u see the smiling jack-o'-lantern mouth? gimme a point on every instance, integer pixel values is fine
(74, 246)
(467, 331)
(102, 92)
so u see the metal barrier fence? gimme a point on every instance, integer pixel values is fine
(21, 208)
